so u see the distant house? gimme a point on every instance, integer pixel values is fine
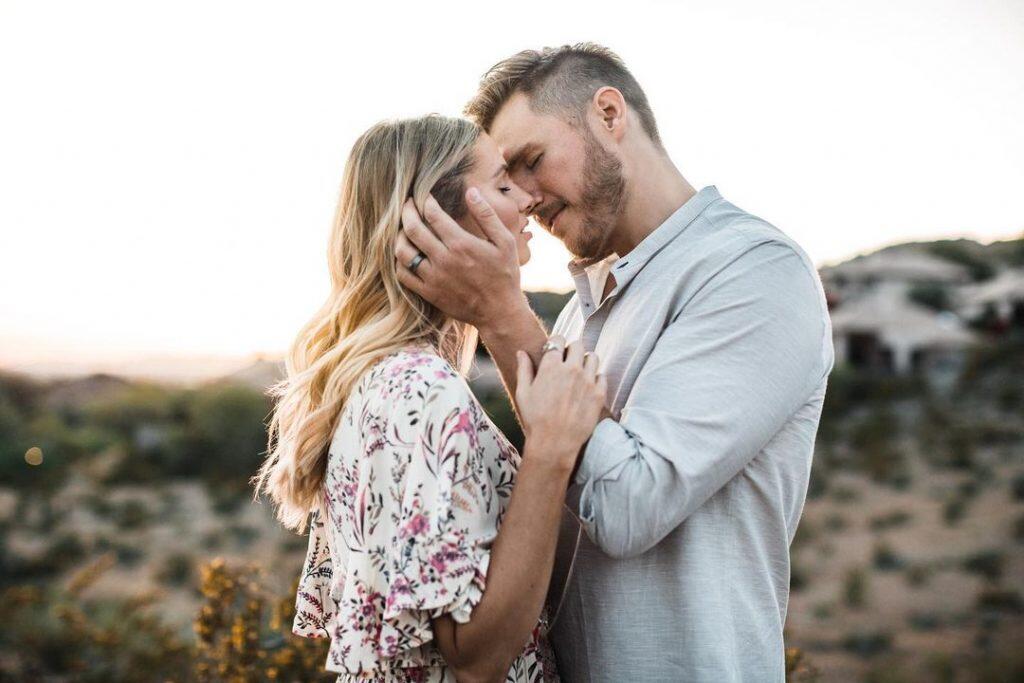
(1001, 299)
(884, 330)
(904, 264)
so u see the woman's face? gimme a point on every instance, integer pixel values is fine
(490, 175)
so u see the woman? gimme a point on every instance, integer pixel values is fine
(379, 440)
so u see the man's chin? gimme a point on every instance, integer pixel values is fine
(587, 252)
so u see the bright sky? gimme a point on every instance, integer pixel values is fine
(168, 171)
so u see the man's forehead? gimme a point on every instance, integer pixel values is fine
(516, 128)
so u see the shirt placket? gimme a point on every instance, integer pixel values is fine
(594, 316)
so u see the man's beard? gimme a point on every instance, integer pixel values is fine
(601, 201)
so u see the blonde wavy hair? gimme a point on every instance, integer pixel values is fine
(368, 314)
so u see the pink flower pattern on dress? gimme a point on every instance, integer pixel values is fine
(418, 480)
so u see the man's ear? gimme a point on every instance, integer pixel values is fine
(611, 109)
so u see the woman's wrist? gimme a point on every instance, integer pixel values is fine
(554, 451)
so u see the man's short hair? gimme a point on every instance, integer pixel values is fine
(559, 80)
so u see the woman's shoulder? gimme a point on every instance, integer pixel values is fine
(416, 377)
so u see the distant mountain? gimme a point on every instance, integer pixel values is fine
(261, 374)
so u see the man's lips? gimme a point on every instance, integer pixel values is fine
(549, 223)
(554, 221)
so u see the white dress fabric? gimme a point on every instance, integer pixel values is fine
(418, 479)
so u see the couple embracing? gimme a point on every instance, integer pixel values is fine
(643, 533)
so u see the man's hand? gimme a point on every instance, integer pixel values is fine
(472, 278)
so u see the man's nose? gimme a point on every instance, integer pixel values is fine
(534, 200)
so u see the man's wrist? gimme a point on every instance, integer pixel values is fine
(506, 318)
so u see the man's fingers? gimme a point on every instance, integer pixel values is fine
(444, 226)
(405, 252)
(590, 364)
(416, 232)
(491, 226)
(409, 280)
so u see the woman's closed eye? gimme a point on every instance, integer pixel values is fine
(536, 160)
(505, 190)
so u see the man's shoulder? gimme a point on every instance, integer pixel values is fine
(740, 232)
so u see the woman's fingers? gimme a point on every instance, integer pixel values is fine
(524, 370)
(554, 352)
(590, 364)
(574, 354)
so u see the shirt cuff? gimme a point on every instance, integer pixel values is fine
(610, 446)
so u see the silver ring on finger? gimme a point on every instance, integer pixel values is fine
(550, 346)
(416, 261)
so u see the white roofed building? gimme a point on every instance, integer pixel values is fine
(884, 330)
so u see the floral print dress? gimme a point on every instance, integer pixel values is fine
(418, 479)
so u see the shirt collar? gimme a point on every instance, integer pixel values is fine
(626, 267)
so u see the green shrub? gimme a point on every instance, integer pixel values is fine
(953, 511)
(889, 520)
(855, 588)
(835, 522)
(924, 621)
(243, 534)
(886, 559)
(177, 569)
(1000, 600)
(918, 575)
(131, 515)
(988, 564)
(1017, 488)
(867, 643)
(58, 635)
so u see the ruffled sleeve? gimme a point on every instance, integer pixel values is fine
(436, 558)
(315, 608)
(416, 483)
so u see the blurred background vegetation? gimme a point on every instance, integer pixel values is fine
(131, 550)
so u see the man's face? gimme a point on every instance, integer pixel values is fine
(579, 182)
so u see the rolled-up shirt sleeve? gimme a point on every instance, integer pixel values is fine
(724, 376)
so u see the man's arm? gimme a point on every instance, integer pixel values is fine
(723, 378)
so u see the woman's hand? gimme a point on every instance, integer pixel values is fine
(563, 401)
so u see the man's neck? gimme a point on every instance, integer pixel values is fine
(657, 190)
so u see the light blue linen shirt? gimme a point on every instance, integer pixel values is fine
(717, 346)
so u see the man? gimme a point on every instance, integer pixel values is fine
(712, 329)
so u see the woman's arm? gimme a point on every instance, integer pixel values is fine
(560, 407)
(517, 580)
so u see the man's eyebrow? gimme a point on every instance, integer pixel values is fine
(516, 157)
(501, 169)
